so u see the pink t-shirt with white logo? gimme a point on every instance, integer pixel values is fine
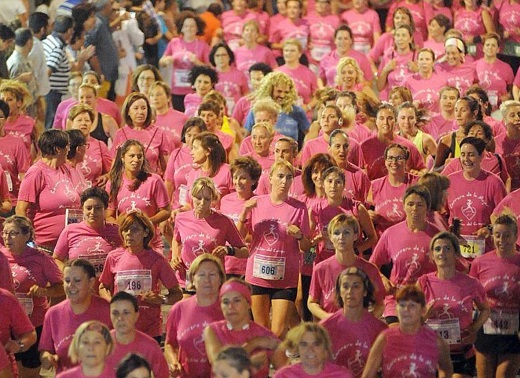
(171, 124)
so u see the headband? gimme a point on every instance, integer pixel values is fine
(455, 42)
(238, 287)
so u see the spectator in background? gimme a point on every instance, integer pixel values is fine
(211, 17)
(13, 13)
(6, 40)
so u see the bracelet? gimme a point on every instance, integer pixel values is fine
(230, 250)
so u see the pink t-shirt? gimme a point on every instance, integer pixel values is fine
(363, 26)
(240, 337)
(330, 61)
(305, 81)
(491, 162)
(473, 201)
(232, 25)
(425, 91)
(374, 150)
(460, 77)
(437, 47)
(323, 282)
(153, 139)
(198, 236)
(422, 12)
(61, 322)
(149, 268)
(321, 34)
(62, 112)
(410, 254)
(32, 267)
(171, 124)
(351, 341)
(245, 58)
(191, 104)
(14, 322)
(398, 76)
(22, 128)
(500, 278)
(14, 159)
(274, 255)
(320, 145)
(182, 51)
(406, 355)
(232, 85)
(386, 41)
(6, 281)
(184, 328)
(509, 149)
(439, 126)
(285, 29)
(145, 346)
(509, 18)
(265, 162)
(494, 78)
(179, 165)
(330, 370)
(470, 24)
(452, 299)
(97, 160)
(223, 180)
(77, 372)
(50, 192)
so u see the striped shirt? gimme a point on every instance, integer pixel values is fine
(56, 59)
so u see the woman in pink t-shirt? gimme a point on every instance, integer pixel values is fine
(457, 70)
(132, 186)
(18, 123)
(47, 190)
(261, 138)
(251, 52)
(202, 79)
(143, 77)
(350, 77)
(473, 20)
(184, 344)
(411, 348)
(90, 346)
(353, 329)
(437, 27)
(97, 160)
(290, 26)
(239, 329)
(444, 122)
(452, 297)
(138, 118)
(365, 25)
(203, 230)
(311, 343)
(36, 277)
(421, 12)
(280, 231)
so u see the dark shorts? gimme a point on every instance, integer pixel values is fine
(497, 344)
(287, 294)
(31, 357)
(462, 364)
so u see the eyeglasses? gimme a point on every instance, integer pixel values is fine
(396, 159)
(11, 234)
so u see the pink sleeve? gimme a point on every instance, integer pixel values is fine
(4, 189)
(46, 343)
(107, 276)
(62, 245)
(23, 159)
(516, 81)
(167, 275)
(30, 187)
(380, 255)
(233, 236)
(52, 272)
(160, 194)
(106, 158)
(315, 290)
(20, 322)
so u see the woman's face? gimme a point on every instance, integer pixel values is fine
(453, 56)
(322, 7)
(333, 185)
(396, 98)
(134, 235)
(409, 313)
(291, 54)
(242, 181)
(343, 238)
(463, 113)
(470, 159)
(87, 96)
(425, 62)
(401, 18)
(77, 284)
(352, 291)
(92, 349)
(91, 79)
(385, 121)
(448, 100)
(239, 5)
(478, 132)
(203, 85)
(329, 120)
(347, 76)
(159, 99)
(407, 120)
(360, 5)
(83, 123)
(189, 28)
(293, 9)
(490, 48)
(133, 159)
(312, 351)
(90, 22)
(395, 161)
(14, 239)
(202, 201)
(261, 140)
(415, 208)
(281, 180)
(434, 29)
(223, 369)
(191, 133)
(145, 81)
(443, 253)
(235, 307)
(222, 57)
(250, 33)
(14, 104)
(343, 41)
(403, 39)
(94, 211)
(138, 112)
(207, 279)
(199, 154)
(316, 177)
(339, 148)
(504, 238)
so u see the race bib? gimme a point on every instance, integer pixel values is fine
(472, 49)
(183, 195)
(9, 181)
(493, 97)
(362, 47)
(502, 322)
(318, 52)
(269, 268)
(97, 260)
(26, 302)
(181, 77)
(134, 282)
(326, 239)
(73, 216)
(472, 247)
(447, 329)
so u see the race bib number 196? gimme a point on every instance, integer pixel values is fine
(134, 282)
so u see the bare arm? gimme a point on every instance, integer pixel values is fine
(316, 309)
(212, 343)
(21, 208)
(375, 358)
(368, 229)
(445, 365)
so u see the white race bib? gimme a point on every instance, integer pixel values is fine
(26, 302)
(9, 181)
(269, 268)
(181, 77)
(447, 329)
(183, 195)
(97, 260)
(473, 246)
(73, 216)
(493, 97)
(472, 49)
(134, 282)
(362, 47)
(502, 322)
(318, 52)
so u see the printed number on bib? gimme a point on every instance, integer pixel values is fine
(269, 268)
(97, 260)
(134, 282)
(473, 246)
(502, 322)
(448, 329)
(26, 302)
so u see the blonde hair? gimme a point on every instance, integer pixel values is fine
(278, 78)
(19, 91)
(266, 125)
(281, 163)
(294, 42)
(204, 183)
(348, 61)
(92, 325)
(78, 109)
(295, 335)
(199, 260)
